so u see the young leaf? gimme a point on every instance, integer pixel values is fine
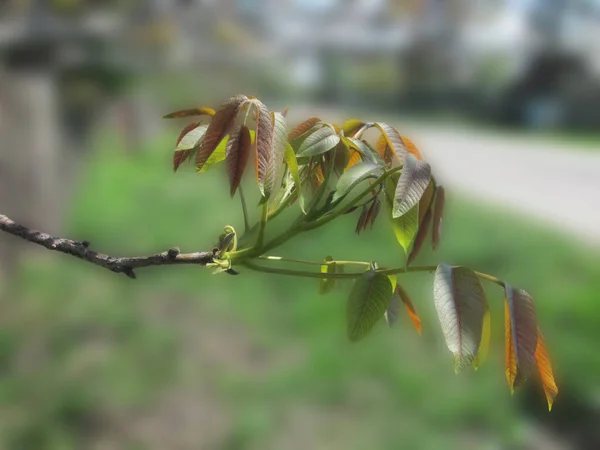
(426, 202)
(391, 313)
(188, 143)
(237, 154)
(218, 155)
(393, 139)
(367, 303)
(341, 157)
(292, 163)
(319, 142)
(484, 345)
(521, 335)
(373, 212)
(438, 212)
(460, 306)
(414, 317)
(362, 219)
(274, 171)
(190, 112)
(327, 284)
(368, 154)
(412, 184)
(410, 147)
(351, 126)
(383, 149)
(354, 176)
(545, 370)
(263, 148)
(302, 128)
(218, 127)
(420, 238)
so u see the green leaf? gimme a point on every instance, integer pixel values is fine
(411, 186)
(292, 163)
(368, 301)
(327, 284)
(460, 304)
(319, 142)
(351, 126)
(353, 176)
(406, 227)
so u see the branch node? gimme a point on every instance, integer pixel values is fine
(129, 272)
(172, 253)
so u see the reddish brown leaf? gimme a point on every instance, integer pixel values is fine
(414, 317)
(545, 370)
(180, 157)
(237, 154)
(510, 359)
(426, 202)
(263, 144)
(420, 238)
(218, 127)
(438, 212)
(411, 147)
(362, 220)
(302, 128)
(374, 212)
(190, 113)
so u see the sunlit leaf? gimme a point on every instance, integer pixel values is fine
(218, 155)
(274, 171)
(302, 128)
(190, 112)
(327, 284)
(292, 163)
(237, 155)
(438, 213)
(412, 314)
(366, 151)
(393, 138)
(411, 148)
(354, 176)
(460, 305)
(510, 358)
(319, 142)
(484, 345)
(218, 127)
(354, 159)
(545, 370)
(187, 143)
(368, 301)
(382, 148)
(263, 147)
(420, 237)
(412, 184)
(522, 334)
(351, 126)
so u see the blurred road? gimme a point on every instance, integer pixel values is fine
(548, 180)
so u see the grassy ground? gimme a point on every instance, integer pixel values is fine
(185, 360)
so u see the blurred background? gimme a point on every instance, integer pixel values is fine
(502, 97)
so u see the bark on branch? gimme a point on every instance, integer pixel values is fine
(81, 250)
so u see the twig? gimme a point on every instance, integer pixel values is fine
(81, 250)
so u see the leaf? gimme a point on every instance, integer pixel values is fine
(426, 202)
(190, 112)
(327, 284)
(237, 155)
(391, 313)
(218, 155)
(382, 148)
(412, 184)
(420, 238)
(302, 128)
(353, 176)
(373, 212)
(522, 333)
(319, 142)
(354, 159)
(292, 163)
(510, 358)
(460, 305)
(484, 345)
(351, 126)
(263, 147)
(274, 171)
(438, 212)
(406, 228)
(218, 127)
(545, 370)
(362, 220)
(187, 143)
(341, 157)
(368, 301)
(368, 153)
(410, 147)
(393, 139)
(414, 318)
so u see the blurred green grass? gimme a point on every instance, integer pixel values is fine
(183, 359)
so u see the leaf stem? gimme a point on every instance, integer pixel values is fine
(314, 263)
(244, 209)
(262, 225)
(491, 278)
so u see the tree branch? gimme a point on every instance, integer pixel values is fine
(81, 250)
